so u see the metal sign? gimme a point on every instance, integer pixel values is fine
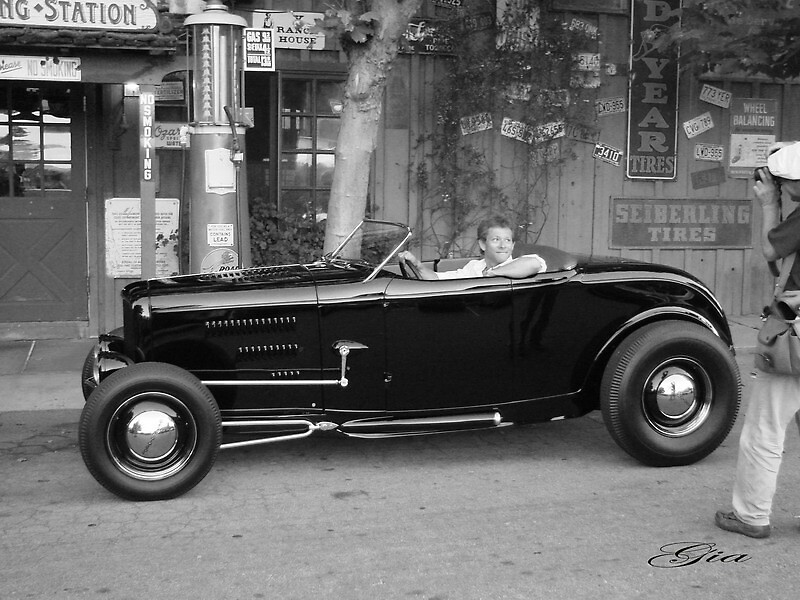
(652, 93)
(755, 123)
(716, 96)
(710, 152)
(609, 106)
(425, 37)
(40, 68)
(112, 15)
(698, 125)
(680, 223)
(523, 132)
(581, 133)
(259, 50)
(291, 29)
(609, 154)
(475, 123)
(708, 178)
(147, 105)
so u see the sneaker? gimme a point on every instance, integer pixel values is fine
(730, 522)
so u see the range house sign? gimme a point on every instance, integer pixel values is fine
(116, 15)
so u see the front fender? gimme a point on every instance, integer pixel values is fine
(105, 357)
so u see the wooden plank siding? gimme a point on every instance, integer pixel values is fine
(580, 191)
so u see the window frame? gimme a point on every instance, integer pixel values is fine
(41, 127)
(316, 190)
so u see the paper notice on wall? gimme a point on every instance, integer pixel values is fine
(755, 124)
(220, 171)
(124, 237)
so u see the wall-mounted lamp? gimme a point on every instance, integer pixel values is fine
(131, 90)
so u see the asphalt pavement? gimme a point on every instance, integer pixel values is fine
(542, 511)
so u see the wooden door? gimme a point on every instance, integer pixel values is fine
(43, 260)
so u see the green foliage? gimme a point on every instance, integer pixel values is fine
(526, 69)
(279, 238)
(348, 23)
(738, 37)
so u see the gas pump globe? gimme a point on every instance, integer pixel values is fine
(219, 237)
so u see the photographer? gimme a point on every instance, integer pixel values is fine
(775, 398)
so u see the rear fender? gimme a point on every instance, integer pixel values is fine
(651, 316)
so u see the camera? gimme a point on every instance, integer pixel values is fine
(775, 180)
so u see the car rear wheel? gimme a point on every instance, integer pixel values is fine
(150, 431)
(670, 393)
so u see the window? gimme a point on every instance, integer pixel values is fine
(309, 122)
(35, 140)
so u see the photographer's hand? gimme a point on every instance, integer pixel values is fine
(768, 196)
(767, 192)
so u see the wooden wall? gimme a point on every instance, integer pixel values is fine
(579, 192)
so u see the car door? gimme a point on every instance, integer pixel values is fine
(448, 343)
(553, 321)
(354, 312)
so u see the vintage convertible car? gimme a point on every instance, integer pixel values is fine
(355, 344)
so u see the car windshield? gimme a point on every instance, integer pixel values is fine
(372, 243)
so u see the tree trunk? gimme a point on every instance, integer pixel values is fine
(368, 67)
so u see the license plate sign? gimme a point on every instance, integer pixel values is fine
(698, 125)
(709, 152)
(609, 106)
(714, 95)
(606, 153)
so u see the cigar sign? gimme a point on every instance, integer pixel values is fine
(653, 92)
(116, 15)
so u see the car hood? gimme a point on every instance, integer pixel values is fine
(261, 278)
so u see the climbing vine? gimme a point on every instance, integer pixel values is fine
(278, 237)
(508, 102)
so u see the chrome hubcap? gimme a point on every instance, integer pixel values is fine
(151, 436)
(677, 397)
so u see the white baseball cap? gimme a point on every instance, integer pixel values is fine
(785, 162)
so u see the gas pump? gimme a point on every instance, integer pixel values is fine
(219, 238)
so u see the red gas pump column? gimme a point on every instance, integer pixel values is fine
(219, 234)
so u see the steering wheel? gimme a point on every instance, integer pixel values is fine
(408, 270)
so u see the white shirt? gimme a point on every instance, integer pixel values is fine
(474, 268)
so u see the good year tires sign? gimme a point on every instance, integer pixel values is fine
(653, 90)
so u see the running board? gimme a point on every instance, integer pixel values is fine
(400, 427)
(301, 428)
(304, 426)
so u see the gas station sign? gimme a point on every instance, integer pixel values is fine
(116, 15)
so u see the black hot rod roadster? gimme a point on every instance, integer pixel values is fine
(355, 343)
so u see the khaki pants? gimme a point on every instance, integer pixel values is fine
(773, 403)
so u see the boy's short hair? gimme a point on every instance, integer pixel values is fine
(494, 221)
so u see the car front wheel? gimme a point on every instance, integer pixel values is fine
(670, 393)
(150, 431)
